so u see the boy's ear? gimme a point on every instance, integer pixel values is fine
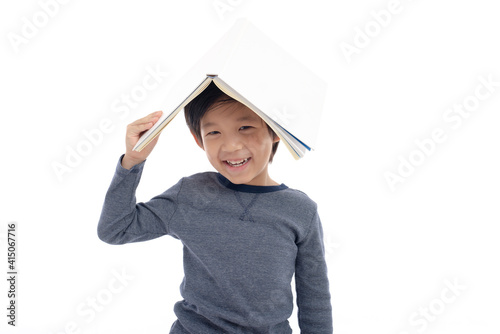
(276, 138)
(197, 141)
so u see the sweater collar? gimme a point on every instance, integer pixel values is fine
(247, 188)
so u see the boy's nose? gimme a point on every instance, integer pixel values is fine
(232, 143)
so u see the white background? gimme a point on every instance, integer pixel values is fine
(391, 253)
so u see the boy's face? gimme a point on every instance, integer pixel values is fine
(237, 143)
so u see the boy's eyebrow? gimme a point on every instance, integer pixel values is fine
(241, 119)
(248, 118)
(208, 124)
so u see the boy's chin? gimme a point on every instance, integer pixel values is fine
(234, 180)
(244, 178)
(236, 177)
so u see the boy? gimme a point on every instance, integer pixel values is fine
(244, 235)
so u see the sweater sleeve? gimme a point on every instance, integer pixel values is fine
(311, 281)
(123, 220)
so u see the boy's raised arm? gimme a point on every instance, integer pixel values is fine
(122, 219)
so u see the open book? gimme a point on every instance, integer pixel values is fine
(249, 67)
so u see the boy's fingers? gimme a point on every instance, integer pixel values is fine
(149, 118)
(153, 116)
(135, 129)
(144, 123)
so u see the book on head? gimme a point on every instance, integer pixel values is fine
(249, 67)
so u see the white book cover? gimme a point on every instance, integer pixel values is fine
(261, 75)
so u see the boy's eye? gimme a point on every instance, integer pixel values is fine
(212, 133)
(246, 127)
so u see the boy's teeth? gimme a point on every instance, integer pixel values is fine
(236, 162)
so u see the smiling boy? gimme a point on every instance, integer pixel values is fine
(245, 243)
(238, 143)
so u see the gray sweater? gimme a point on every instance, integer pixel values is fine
(242, 245)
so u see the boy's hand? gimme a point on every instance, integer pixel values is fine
(134, 132)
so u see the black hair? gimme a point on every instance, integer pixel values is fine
(210, 97)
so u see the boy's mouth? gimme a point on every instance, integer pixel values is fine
(236, 163)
